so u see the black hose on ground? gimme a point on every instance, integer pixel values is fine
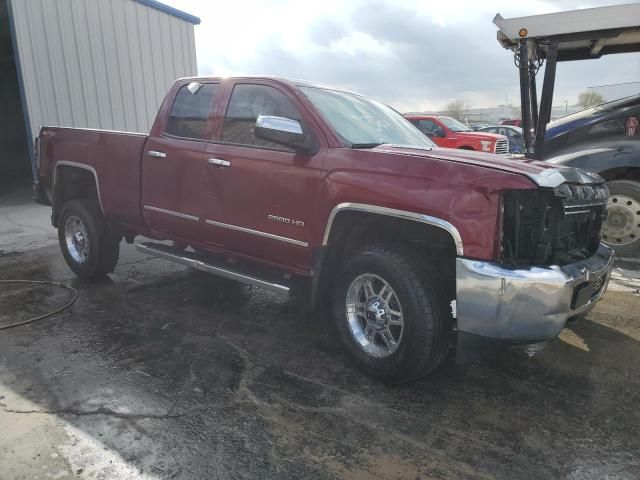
(46, 315)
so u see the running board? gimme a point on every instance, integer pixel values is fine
(189, 259)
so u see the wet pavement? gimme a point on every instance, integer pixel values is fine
(159, 372)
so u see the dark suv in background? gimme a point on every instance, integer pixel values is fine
(606, 140)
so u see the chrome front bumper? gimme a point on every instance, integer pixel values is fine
(527, 304)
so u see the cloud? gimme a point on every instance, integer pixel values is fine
(411, 54)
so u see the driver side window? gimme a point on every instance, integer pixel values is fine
(247, 103)
(428, 127)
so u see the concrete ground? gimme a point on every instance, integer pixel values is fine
(158, 372)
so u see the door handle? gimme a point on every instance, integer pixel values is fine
(218, 162)
(156, 154)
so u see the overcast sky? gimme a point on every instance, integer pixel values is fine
(412, 54)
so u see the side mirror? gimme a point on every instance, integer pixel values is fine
(285, 131)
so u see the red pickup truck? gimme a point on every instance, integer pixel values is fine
(287, 184)
(450, 133)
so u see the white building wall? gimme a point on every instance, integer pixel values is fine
(103, 64)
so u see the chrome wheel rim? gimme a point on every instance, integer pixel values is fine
(623, 221)
(374, 315)
(76, 238)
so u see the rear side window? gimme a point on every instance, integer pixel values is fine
(246, 104)
(190, 111)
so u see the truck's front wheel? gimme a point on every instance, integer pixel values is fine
(87, 245)
(622, 228)
(389, 315)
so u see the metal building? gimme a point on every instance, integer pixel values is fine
(103, 64)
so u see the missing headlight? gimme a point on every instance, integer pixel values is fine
(545, 226)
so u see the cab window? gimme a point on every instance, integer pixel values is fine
(512, 134)
(190, 110)
(247, 103)
(427, 126)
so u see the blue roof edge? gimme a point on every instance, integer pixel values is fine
(170, 10)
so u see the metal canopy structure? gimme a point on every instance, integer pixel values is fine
(555, 37)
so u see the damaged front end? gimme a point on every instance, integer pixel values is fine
(552, 226)
(551, 265)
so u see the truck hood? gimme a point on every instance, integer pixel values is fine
(541, 173)
(480, 135)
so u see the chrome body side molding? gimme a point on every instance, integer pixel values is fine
(171, 212)
(216, 270)
(66, 163)
(219, 162)
(292, 241)
(391, 212)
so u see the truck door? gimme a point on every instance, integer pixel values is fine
(446, 138)
(434, 131)
(260, 195)
(173, 165)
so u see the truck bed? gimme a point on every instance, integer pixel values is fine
(113, 158)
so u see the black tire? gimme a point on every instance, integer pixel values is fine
(423, 344)
(103, 247)
(631, 190)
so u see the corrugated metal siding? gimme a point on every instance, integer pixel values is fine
(99, 63)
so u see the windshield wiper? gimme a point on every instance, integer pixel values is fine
(366, 145)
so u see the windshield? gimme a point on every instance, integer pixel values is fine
(362, 122)
(454, 125)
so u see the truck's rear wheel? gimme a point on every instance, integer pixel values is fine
(389, 314)
(86, 242)
(622, 228)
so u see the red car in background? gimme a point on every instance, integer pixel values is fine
(450, 133)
